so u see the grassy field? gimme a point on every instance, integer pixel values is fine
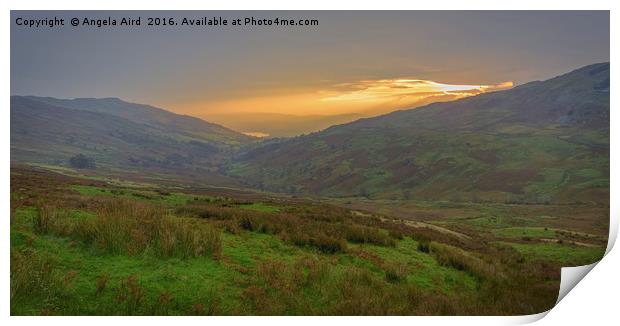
(90, 247)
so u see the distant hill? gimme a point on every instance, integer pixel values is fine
(116, 134)
(545, 141)
(149, 115)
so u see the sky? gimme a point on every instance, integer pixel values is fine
(353, 62)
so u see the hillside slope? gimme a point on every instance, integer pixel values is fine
(154, 117)
(540, 142)
(116, 137)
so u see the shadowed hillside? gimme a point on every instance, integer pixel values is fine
(540, 142)
(151, 116)
(117, 135)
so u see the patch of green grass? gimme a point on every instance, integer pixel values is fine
(588, 173)
(172, 198)
(16, 196)
(423, 270)
(91, 190)
(189, 282)
(248, 247)
(596, 183)
(24, 215)
(532, 232)
(178, 198)
(569, 255)
(495, 221)
(260, 207)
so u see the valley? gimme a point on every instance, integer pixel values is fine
(469, 207)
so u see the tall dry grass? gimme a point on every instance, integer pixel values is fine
(459, 259)
(133, 228)
(31, 273)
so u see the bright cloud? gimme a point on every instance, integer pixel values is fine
(404, 90)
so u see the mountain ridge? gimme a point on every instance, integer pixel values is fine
(542, 141)
(45, 133)
(512, 145)
(144, 113)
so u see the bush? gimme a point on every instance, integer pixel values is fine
(247, 224)
(324, 243)
(328, 245)
(395, 273)
(396, 234)
(364, 234)
(81, 161)
(460, 260)
(424, 247)
(43, 220)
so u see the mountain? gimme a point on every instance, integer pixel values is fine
(118, 135)
(544, 141)
(157, 118)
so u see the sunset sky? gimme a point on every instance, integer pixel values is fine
(353, 62)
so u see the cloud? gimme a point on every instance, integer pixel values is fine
(404, 90)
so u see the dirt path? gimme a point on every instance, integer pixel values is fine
(417, 224)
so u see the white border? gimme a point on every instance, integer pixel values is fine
(593, 300)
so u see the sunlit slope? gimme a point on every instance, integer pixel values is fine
(540, 142)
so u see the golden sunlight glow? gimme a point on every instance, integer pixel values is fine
(366, 97)
(413, 89)
(258, 134)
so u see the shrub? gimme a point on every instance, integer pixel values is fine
(448, 256)
(396, 234)
(51, 220)
(44, 218)
(461, 260)
(328, 245)
(198, 240)
(424, 246)
(247, 224)
(324, 243)
(207, 211)
(364, 234)
(395, 273)
(80, 161)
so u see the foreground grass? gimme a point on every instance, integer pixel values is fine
(94, 249)
(200, 285)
